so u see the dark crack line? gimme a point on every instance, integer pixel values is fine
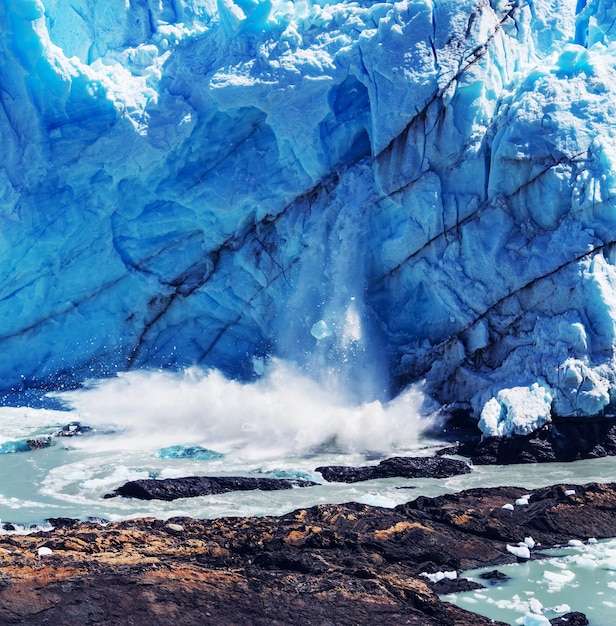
(247, 303)
(476, 55)
(484, 206)
(441, 347)
(273, 260)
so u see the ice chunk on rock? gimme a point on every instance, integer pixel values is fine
(521, 552)
(532, 619)
(518, 410)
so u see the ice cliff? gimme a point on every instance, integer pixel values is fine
(389, 191)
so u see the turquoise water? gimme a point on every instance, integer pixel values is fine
(579, 578)
(71, 477)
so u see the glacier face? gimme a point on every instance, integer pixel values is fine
(386, 191)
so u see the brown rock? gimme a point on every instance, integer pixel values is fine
(330, 564)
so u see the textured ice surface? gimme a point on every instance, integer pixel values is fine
(380, 192)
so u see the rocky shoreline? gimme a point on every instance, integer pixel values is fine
(329, 564)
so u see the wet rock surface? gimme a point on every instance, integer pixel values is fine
(329, 564)
(404, 467)
(193, 486)
(562, 440)
(570, 619)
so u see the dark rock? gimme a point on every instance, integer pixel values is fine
(570, 619)
(39, 443)
(73, 429)
(403, 467)
(328, 564)
(194, 486)
(562, 440)
(457, 585)
(63, 522)
(494, 577)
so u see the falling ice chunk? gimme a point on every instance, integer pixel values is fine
(320, 330)
(530, 542)
(508, 506)
(352, 326)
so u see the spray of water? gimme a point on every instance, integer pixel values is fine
(283, 413)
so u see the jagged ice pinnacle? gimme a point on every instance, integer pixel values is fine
(397, 191)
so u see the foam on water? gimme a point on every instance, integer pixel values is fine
(283, 425)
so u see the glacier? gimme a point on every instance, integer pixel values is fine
(379, 192)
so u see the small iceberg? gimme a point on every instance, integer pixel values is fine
(198, 453)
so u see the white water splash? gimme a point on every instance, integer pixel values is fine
(284, 413)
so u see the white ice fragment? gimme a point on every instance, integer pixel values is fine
(530, 542)
(175, 527)
(575, 543)
(521, 501)
(535, 606)
(532, 619)
(45, 551)
(521, 552)
(570, 492)
(586, 562)
(518, 410)
(592, 540)
(561, 608)
(557, 580)
(508, 507)
(320, 330)
(438, 576)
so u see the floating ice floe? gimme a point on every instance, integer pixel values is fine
(532, 619)
(557, 580)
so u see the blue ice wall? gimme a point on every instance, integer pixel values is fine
(430, 183)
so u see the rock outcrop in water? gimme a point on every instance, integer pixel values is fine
(194, 486)
(562, 440)
(404, 467)
(330, 564)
